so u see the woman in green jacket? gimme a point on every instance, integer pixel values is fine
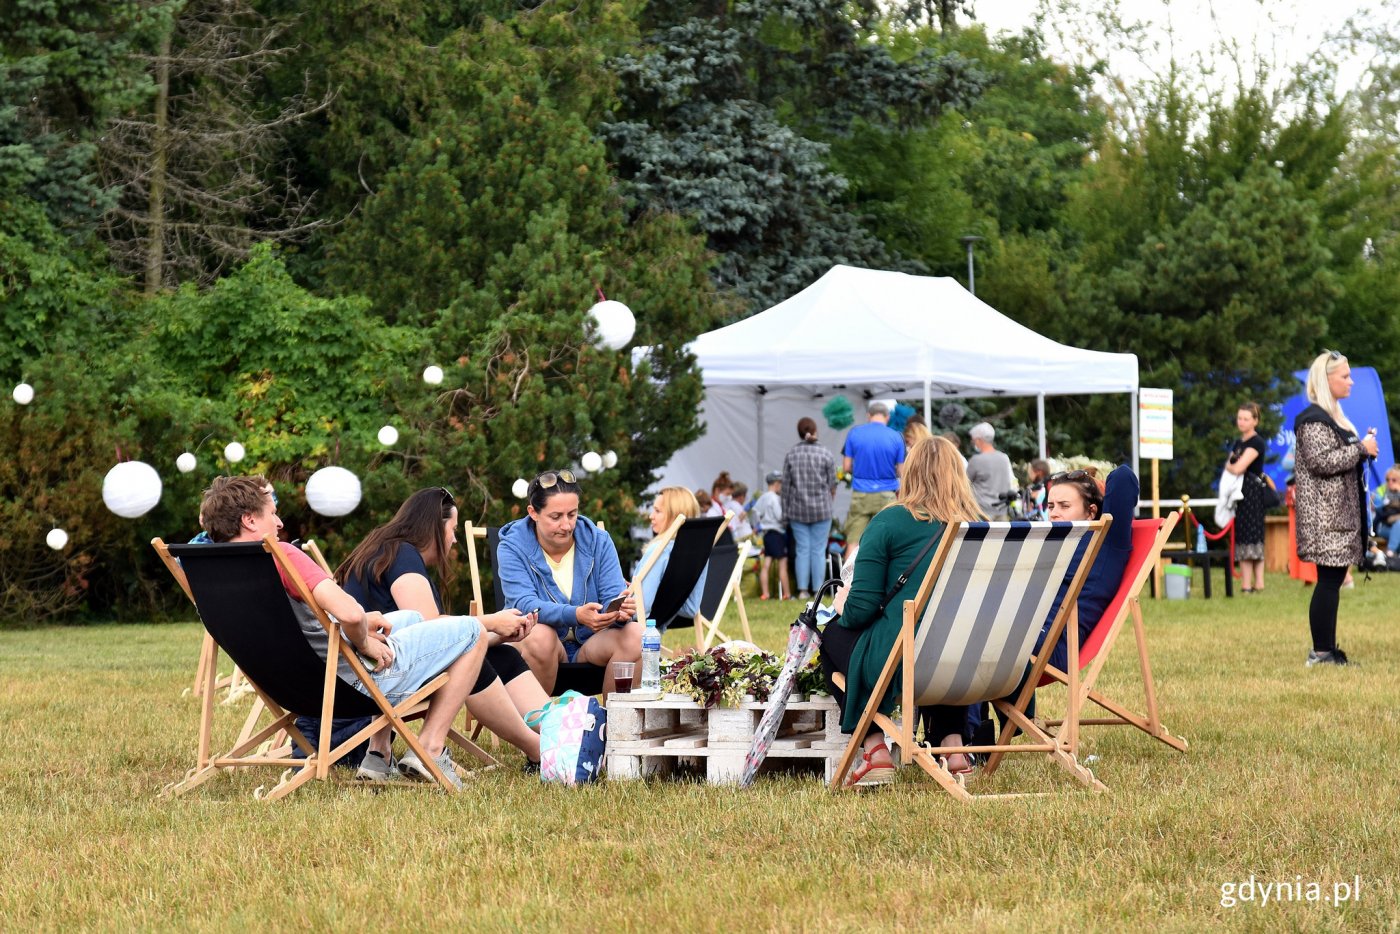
(933, 491)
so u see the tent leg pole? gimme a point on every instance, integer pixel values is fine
(1133, 400)
(1040, 422)
(928, 403)
(760, 469)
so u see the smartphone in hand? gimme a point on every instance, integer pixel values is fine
(616, 604)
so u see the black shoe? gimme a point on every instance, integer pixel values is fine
(530, 768)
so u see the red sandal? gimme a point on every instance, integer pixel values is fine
(875, 768)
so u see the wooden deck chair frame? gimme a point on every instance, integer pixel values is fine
(731, 591)
(930, 758)
(657, 546)
(319, 757)
(1104, 636)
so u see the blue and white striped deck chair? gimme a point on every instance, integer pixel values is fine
(970, 632)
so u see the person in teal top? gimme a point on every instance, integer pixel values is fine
(933, 491)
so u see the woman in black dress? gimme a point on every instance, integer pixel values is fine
(1247, 458)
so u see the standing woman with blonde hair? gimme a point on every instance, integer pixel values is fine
(1331, 496)
(900, 540)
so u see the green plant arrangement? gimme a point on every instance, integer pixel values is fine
(723, 678)
(719, 677)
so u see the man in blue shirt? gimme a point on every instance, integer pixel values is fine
(874, 454)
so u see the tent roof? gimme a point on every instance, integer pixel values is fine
(889, 330)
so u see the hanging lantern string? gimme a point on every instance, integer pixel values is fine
(118, 448)
(202, 440)
(599, 289)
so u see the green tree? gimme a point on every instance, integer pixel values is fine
(727, 116)
(68, 67)
(492, 239)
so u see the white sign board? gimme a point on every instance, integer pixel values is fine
(1155, 424)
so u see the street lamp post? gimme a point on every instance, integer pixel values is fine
(967, 242)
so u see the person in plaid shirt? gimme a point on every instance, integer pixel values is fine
(809, 484)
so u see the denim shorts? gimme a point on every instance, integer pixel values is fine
(423, 649)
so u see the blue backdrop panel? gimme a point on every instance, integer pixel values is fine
(1365, 408)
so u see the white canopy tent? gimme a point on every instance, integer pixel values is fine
(870, 334)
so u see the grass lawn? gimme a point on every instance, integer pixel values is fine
(1291, 777)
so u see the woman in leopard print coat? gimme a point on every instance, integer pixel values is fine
(1331, 496)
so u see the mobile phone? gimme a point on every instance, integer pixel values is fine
(616, 604)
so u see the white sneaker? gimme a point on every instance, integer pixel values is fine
(413, 767)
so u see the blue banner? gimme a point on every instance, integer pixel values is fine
(1365, 408)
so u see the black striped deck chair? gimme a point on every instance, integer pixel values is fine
(691, 541)
(969, 633)
(723, 586)
(246, 610)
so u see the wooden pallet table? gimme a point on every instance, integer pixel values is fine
(650, 735)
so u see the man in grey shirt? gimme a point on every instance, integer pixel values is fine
(990, 474)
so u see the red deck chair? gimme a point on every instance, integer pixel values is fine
(1149, 535)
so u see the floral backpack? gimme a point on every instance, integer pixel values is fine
(573, 737)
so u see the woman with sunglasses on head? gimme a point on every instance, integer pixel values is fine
(1075, 496)
(562, 565)
(1329, 463)
(390, 571)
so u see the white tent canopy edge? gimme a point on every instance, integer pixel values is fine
(871, 334)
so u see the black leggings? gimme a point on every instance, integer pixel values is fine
(838, 643)
(1322, 612)
(502, 661)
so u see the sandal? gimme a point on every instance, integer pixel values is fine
(964, 768)
(876, 768)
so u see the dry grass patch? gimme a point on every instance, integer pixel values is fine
(1291, 776)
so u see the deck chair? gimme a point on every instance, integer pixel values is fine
(246, 611)
(475, 727)
(314, 550)
(969, 632)
(573, 676)
(1149, 536)
(692, 541)
(726, 570)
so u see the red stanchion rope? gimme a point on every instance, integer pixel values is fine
(1227, 529)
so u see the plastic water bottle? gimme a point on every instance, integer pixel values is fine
(651, 657)
(1200, 537)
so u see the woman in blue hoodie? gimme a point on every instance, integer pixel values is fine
(561, 564)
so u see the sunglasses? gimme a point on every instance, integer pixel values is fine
(1332, 354)
(447, 497)
(552, 478)
(1069, 475)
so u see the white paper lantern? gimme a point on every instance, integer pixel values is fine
(591, 462)
(185, 462)
(57, 539)
(520, 487)
(615, 324)
(24, 393)
(432, 375)
(388, 436)
(333, 491)
(233, 452)
(610, 459)
(131, 489)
